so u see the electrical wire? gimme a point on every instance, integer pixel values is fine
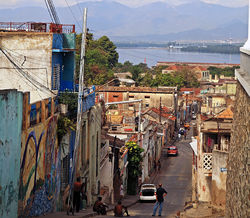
(80, 26)
(44, 81)
(29, 78)
(27, 57)
(78, 5)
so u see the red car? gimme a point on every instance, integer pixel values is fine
(172, 150)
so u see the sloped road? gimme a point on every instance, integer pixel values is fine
(175, 175)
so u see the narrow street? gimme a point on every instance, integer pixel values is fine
(175, 176)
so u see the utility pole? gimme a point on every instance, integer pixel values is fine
(80, 102)
(160, 111)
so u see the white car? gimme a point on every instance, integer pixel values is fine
(148, 192)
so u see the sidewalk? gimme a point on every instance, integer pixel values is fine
(128, 201)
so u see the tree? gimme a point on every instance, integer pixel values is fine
(100, 58)
(134, 165)
(110, 50)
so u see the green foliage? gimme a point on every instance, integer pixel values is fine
(110, 49)
(227, 49)
(64, 124)
(186, 78)
(70, 99)
(100, 59)
(227, 71)
(134, 159)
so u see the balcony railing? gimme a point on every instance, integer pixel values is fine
(36, 27)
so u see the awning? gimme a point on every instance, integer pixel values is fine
(193, 145)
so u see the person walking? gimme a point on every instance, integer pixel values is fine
(159, 165)
(77, 195)
(160, 194)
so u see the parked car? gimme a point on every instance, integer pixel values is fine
(148, 192)
(187, 126)
(172, 150)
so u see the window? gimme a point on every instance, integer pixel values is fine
(131, 96)
(56, 77)
(114, 128)
(115, 96)
(147, 96)
(33, 113)
(146, 105)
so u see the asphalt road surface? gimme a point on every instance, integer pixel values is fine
(175, 176)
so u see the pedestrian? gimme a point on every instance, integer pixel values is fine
(179, 136)
(121, 191)
(185, 134)
(155, 165)
(160, 194)
(119, 210)
(77, 194)
(159, 165)
(100, 207)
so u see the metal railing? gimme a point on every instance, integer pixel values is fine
(36, 27)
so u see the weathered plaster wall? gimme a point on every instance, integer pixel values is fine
(204, 179)
(90, 150)
(238, 191)
(10, 140)
(219, 178)
(32, 52)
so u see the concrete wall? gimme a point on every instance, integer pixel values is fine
(10, 140)
(219, 178)
(238, 192)
(31, 52)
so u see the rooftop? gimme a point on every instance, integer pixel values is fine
(136, 89)
(226, 114)
(36, 27)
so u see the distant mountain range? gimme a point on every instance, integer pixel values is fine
(156, 22)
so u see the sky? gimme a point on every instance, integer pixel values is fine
(132, 3)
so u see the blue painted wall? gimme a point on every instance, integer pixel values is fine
(64, 54)
(11, 105)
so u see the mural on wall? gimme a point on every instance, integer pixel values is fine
(40, 170)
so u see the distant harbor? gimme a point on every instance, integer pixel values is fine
(151, 56)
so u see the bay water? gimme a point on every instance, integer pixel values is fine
(151, 56)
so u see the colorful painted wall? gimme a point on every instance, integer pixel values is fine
(10, 139)
(40, 165)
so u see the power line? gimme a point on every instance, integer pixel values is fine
(27, 57)
(80, 9)
(34, 82)
(45, 81)
(73, 14)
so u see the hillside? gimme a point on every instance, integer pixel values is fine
(152, 22)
